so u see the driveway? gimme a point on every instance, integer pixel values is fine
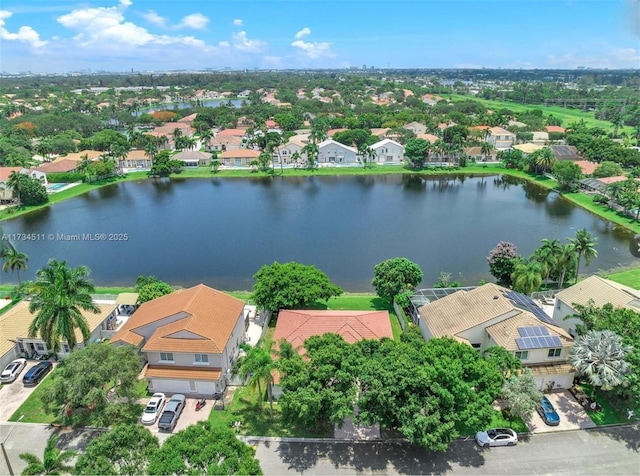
(14, 394)
(572, 415)
(188, 417)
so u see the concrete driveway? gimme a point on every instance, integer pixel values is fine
(14, 394)
(188, 417)
(572, 415)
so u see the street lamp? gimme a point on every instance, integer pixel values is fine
(4, 451)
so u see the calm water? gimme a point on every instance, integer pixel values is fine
(220, 231)
(186, 105)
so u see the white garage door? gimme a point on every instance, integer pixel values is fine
(186, 387)
(560, 381)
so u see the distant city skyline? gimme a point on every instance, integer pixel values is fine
(47, 36)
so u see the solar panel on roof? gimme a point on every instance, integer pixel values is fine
(543, 342)
(526, 303)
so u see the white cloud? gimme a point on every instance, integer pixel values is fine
(237, 22)
(105, 28)
(25, 34)
(302, 33)
(196, 21)
(242, 43)
(153, 17)
(612, 58)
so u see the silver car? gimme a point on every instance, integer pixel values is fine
(171, 413)
(497, 437)
(153, 409)
(11, 372)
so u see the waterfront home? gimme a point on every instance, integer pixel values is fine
(193, 158)
(286, 152)
(135, 159)
(332, 152)
(238, 157)
(190, 339)
(388, 151)
(491, 315)
(501, 139)
(221, 143)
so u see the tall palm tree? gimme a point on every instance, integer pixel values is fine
(547, 256)
(599, 356)
(544, 159)
(14, 260)
(59, 293)
(15, 182)
(566, 259)
(84, 164)
(527, 276)
(53, 460)
(311, 150)
(585, 245)
(485, 149)
(257, 365)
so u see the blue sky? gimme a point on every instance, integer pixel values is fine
(159, 35)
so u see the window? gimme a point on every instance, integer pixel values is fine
(238, 161)
(554, 352)
(40, 347)
(166, 356)
(476, 346)
(202, 359)
(21, 347)
(522, 355)
(65, 348)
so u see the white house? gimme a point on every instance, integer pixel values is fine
(501, 138)
(388, 152)
(491, 315)
(599, 290)
(416, 127)
(332, 152)
(286, 152)
(190, 339)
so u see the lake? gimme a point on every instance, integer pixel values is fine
(186, 105)
(220, 231)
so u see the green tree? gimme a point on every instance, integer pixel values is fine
(503, 360)
(17, 183)
(215, 166)
(86, 379)
(14, 260)
(257, 367)
(125, 450)
(565, 263)
(521, 394)
(417, 151)
(527, 276)
(164, 165)
(547, 256)
(311, 150)
(600, 357)
(584, 243)
(59, 294)
(291, 286)
(53, 460)
(32, 192)
(203, 449)
(568, 174)
(502, 262)
(395, 275)
(151, 291)
(544, 159)
(608, 169)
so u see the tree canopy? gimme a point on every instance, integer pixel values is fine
(290, 286)
(395, 275)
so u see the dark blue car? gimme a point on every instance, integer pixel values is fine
(548, 413)
(37, 373)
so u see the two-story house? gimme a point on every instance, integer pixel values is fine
(287, 152)
(388, 151)
(596, 289)
(501, 139)
(491, 315)
(190, 339)
(332, 152)
(416, 127)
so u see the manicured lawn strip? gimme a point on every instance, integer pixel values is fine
(608, 415)
(244, 408)
(498, 420)
(586, 202)
(629, 278)
(32, 408)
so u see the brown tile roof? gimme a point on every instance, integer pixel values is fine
(586, 167)
(297, 326)
(501, 131)
(555, 129)
(189, 119)
(65, 165)
(505, 333)
(601, 291)
(5, 172)
(331, 132)
(479, 128)
(226, 140)
(198, 319)
(137, 154)
(184, 373)
(429, 137)
(463, 310)
(15, 323)
(231, 132)
(550, 369)
(240, 154)
(610, 180)
(92, 154)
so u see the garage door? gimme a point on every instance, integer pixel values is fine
(559, 381)
(187, 387)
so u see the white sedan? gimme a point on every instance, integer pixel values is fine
(153, 409)
(497, 437)
(11, 372)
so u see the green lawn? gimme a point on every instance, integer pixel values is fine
(499, 420)
(254, 422)
(609, 414)
(629, 278)
(32, 408)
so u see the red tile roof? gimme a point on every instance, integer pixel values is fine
(331, 132)
(586, 167)
(297, 326)
(232, 132)
(66, 165)
(555, 129)
(5, 172)
(240, 154)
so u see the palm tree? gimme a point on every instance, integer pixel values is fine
(585, 245)
(84, 164)
(485, 149)
(59, 294)
(53, 460)
(544, 159)
(527, 276)
(312, 151)
(15, 182)
(257, 365)
(565, 260)
(547, 256)
(599, 356)
(14, 260)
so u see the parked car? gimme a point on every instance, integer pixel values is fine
(497, 437)
(11, 372)
(37, 373)
(153, 409)
(548, 413)
(171, 413)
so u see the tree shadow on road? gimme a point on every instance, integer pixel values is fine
(629, 434)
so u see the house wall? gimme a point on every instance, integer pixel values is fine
(389, 153)
(558, 381)
(478, 334)
(416, 128)
(287, 151)
(562, 310)
(148, 330)
(540, 356)
(230, 353)
(332, 153)
(186, 387)
(185, 359)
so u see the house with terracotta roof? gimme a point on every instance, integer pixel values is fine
(555, 129)
(238, 157)
(222, 143)
(232, 132)
(428, 137)
(286, 152)
(594, 288)
(193, 158)
(16, 343)
(491, 315)
(135, 159)
(190, 339)
(332, 152)
(188, 119)
(59, 166)
(6, 192)
(388, 151)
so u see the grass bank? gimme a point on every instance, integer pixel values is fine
(629, 277)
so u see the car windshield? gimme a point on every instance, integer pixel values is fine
(11, 368)
(151, 408)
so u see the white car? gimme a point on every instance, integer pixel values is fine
(497, 437)
(153, 409)
(11, 372)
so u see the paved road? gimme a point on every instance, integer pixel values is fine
(592, 452)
